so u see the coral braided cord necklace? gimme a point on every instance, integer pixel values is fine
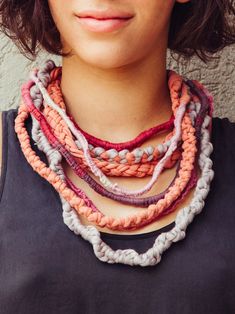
(56, 134)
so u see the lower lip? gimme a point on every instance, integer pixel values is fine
(102, 26)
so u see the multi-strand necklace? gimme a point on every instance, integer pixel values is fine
(187, 145)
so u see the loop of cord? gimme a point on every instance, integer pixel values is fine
(78, 204)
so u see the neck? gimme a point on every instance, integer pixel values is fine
(116, 104)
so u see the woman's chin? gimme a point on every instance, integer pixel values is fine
(105, 58)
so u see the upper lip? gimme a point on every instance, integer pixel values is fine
(107, 14)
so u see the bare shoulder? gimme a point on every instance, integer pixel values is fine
(0, 141)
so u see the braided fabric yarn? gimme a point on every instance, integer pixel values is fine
(191, 127)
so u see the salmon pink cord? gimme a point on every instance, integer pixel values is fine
(55, 134)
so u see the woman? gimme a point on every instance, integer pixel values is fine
(78, 125)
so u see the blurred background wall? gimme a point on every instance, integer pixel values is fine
(217, 75)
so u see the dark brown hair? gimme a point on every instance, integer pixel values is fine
(197, 27)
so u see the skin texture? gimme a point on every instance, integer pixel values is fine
(114, 84)
(134, 56)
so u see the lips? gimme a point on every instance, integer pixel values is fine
(103, 25)
(102, 15)
(103, 21)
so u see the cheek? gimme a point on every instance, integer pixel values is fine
(152, 20)
(154, 13)
(61, 13)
